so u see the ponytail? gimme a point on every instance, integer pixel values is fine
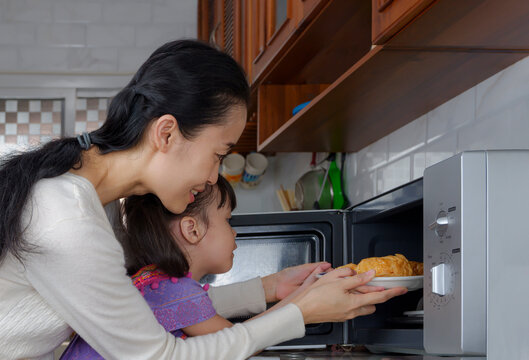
(18, 174)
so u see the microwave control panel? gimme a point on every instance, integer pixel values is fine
(454, 255)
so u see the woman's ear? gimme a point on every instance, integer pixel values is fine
(192, 231)
(165, 131)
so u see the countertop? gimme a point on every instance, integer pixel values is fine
(334, 355)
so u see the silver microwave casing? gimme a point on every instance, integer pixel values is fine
(476, 246)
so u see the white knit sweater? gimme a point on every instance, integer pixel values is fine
(78, 281)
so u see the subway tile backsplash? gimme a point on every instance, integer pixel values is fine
(492, 115)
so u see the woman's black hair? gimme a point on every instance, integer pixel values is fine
(147, 237)
(190, 80)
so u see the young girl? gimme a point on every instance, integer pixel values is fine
(168, 254)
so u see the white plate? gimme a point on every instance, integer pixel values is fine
(415, 313)
(409, 282)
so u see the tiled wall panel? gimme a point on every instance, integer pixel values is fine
(88, 36)
(29, 122)
(90, 113)
(492, 115)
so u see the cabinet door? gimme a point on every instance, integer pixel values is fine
(389, 16)
(277, 21)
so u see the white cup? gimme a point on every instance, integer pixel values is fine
(254, 170)
(233, 167)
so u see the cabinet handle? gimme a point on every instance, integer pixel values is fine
(213, 37)
(385, 5)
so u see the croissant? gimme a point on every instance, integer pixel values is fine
(417, 267)
(391, 265)
(351, 266)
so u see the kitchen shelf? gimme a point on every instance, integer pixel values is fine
(382, 92)
(452, 46)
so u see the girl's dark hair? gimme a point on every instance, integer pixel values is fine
(147, 238)
(190, 80)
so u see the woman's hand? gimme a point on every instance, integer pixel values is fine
(281, 284)
(335, 298)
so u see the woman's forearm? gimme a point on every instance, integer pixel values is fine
(239, 299)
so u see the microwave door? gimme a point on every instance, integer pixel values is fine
(269, 242)
(388, 224)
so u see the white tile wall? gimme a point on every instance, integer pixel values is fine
(43, 59)
(17, 34)
(94, 60)
(8, 59)
(30, 11)
(88, 36)
(407, 139)
(77, 12)
(492, 115)
(127, 12)
(68, 35)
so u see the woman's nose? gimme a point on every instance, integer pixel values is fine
(214, 176)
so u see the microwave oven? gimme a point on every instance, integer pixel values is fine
(465, 219)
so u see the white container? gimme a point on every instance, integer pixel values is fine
(254, 170)
(233, 167)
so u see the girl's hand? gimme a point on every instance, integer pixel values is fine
(281, 284)
(335, 298)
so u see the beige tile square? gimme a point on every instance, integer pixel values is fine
(47, 106)
(46, 129)
(80, 115)
(56, 117)
(11, 117)
(23, 129)
(23, 105)
(34, 118)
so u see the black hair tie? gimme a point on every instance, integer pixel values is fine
(84, 140)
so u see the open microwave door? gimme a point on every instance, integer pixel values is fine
(389, 224)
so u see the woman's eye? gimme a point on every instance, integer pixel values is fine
(221, 156)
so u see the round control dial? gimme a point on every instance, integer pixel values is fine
(440, 224)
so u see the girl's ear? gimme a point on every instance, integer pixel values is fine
(164, 131)
(192, 231)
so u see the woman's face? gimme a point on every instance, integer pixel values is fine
(187, 166)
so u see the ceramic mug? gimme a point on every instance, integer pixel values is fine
(254, 170)
(233, 167)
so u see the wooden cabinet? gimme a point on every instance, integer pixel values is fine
(228, 25)
(389, 16)
(221, 23)
(425, 52)
(254, 32)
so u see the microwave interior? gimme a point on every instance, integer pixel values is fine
(268, 243)
(388, 225)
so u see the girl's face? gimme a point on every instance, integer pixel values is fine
(185, 168)
(217, 246)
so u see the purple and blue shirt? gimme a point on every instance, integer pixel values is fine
(176, 303)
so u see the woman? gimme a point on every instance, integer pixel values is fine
(62, 268)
